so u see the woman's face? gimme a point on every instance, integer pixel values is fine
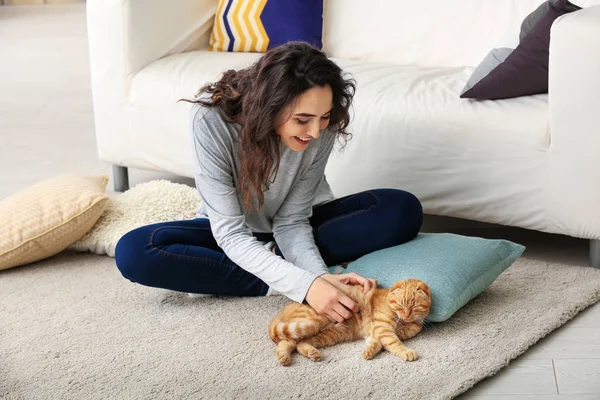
(301, 122)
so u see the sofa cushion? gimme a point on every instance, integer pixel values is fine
(425, 32)
(259, 25)
(521, 70)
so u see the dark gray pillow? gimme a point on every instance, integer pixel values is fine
(522, 71)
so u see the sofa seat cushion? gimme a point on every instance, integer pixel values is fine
(411, 130)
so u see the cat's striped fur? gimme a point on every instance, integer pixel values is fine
(386, 317)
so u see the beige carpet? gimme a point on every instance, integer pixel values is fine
(72, 328)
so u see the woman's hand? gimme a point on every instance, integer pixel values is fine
(351, 278)
(329, 301)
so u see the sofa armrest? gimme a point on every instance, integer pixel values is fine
(126, 35)
(574, 103)
(123, 37)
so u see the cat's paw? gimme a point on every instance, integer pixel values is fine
(284, 359)
(408, 355)
(368, 354)
(308, 351)
(314, 355)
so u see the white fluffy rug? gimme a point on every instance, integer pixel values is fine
(144, 204)
(73, 328)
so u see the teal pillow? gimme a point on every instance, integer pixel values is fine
(457, 268)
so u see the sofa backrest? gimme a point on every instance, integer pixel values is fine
(449, 33)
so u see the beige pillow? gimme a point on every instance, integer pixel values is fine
(46, 218)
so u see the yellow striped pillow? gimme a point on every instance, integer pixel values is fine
(259, 25)
(49, 216)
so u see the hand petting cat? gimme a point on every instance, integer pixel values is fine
(327, 298)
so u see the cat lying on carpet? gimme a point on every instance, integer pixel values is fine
(386, 317)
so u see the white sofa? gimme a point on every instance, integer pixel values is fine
(531, 162)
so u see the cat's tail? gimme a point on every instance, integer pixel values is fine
(273, 331)
(295, 330)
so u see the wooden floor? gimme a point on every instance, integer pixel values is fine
(46, 128)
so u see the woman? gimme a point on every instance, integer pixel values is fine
(268, 221)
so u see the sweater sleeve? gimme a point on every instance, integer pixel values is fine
(214, 180)
(291, 227)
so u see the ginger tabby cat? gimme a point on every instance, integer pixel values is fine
(386, 317)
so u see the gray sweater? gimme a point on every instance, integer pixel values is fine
(300, 184)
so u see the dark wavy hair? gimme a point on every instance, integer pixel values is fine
(256, 96)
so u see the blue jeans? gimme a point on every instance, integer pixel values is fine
(184, 256)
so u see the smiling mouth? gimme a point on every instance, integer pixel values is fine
(302, 141)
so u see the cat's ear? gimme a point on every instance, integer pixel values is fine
(422, 286)
(396, 285)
